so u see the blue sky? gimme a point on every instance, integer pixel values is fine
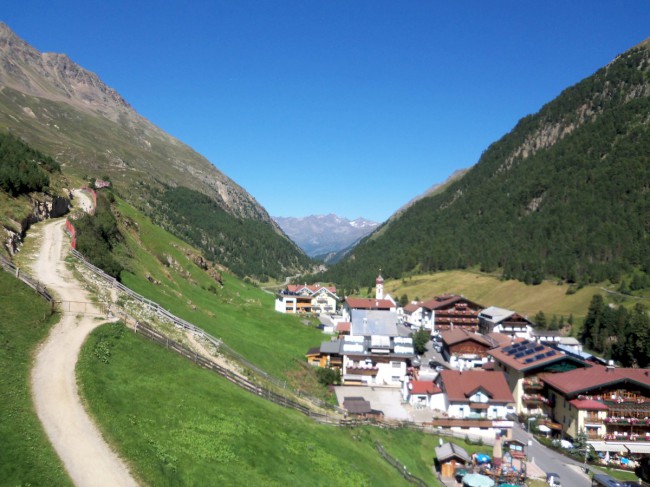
(351, 107)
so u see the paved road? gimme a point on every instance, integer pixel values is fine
(570, 471)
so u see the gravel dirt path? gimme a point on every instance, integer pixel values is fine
(87, 457)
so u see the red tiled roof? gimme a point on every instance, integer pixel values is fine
(589, 404)
(369, 303)
(343, 326)
(579, 380)
(458, 385)
(423, 387)
(458, 335)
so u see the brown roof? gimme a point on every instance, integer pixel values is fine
(589, 405)
(411, 307)
(369, 303)
(459, 386)
(357, 405)
(458, 335)
(582, 380)
(445, 300)
(423, 387)
(498, 339)
(523, 354)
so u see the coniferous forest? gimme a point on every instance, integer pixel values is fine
(23, 169)
(618, 333)
(564, 195)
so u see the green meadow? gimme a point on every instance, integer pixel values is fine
(182, 425)
(489, 290)
(26, 457)
(239, 312)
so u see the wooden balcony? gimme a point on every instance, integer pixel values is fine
(533, 385)
(534, 399)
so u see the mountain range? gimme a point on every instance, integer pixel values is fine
(324, 236)
(67, 112)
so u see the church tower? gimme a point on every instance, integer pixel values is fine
(379, 283)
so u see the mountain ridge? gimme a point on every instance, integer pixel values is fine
(67, 112)
(137, 141)
(321, 235)
(563, 195)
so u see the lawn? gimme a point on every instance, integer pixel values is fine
(26, 456)
(182, 425)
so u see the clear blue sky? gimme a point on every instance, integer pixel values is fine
(350, 107)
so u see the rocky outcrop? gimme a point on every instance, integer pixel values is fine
(44, 207)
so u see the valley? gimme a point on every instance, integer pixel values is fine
(545, 239)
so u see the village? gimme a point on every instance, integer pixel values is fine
(485, 371)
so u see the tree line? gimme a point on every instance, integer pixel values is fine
(23, 169)
(618, 333)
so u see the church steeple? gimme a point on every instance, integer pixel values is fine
(379, 283)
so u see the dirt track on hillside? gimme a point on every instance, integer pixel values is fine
(86, 456)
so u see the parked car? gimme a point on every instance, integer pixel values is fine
(553, 479)
(437, 366)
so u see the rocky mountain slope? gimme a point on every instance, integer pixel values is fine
(319, 235)
(563, 195)
(68, 113)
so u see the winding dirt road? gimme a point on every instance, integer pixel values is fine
(86, 456)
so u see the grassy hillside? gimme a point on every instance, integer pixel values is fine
(163, 268)
(181, 425)
(490, 290)
(26, 456)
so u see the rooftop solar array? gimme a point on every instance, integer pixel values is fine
(528, 351)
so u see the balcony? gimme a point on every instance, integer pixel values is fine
(593, 420)
(627, 421)
(533, 385)
(534, 399)
(624, 436)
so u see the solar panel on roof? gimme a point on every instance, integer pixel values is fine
(529, 360)
(551, 353)
(530, 351)
(507, 349)
(519, 354)
(539, 348)
(525, 342)
(539, 356)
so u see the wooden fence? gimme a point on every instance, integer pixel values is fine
(217, 343)
(401, 468)
(26, 278)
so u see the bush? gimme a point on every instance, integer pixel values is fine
(328, 376)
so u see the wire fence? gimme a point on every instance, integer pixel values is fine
(216, 342)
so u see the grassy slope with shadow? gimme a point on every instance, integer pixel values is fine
(239, 313)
